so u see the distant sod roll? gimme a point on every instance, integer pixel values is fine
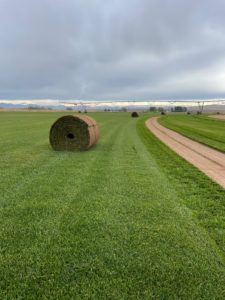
(134, 114)
(73, 133)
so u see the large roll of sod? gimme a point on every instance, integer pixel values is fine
(73, 133)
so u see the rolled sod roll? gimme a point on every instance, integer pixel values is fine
(134, 114)
(73, 133)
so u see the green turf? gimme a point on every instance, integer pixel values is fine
(204, 129)
(127, 220)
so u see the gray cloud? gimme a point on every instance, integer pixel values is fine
(95, 49)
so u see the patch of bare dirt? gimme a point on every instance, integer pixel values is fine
(209, 161)
(221, 117)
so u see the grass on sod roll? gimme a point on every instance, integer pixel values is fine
(203, 129)
(128, 219)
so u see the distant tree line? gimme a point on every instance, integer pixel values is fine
(38, 107)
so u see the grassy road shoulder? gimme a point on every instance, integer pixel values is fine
(204, 197)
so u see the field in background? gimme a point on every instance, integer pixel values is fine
(128, 219)
(218, 116)
(206, 130)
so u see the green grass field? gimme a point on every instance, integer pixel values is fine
(203, 129)
(128, 219)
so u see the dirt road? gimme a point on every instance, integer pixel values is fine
(209, 161)
(220, 117)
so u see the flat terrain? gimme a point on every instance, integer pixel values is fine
(206, 159)
(220, 117)
(203, 129)
(128, 219)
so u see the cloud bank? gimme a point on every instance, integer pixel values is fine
(94, 49)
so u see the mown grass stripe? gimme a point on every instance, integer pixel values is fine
(109, 223)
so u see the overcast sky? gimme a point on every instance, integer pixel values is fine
(112, 49)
